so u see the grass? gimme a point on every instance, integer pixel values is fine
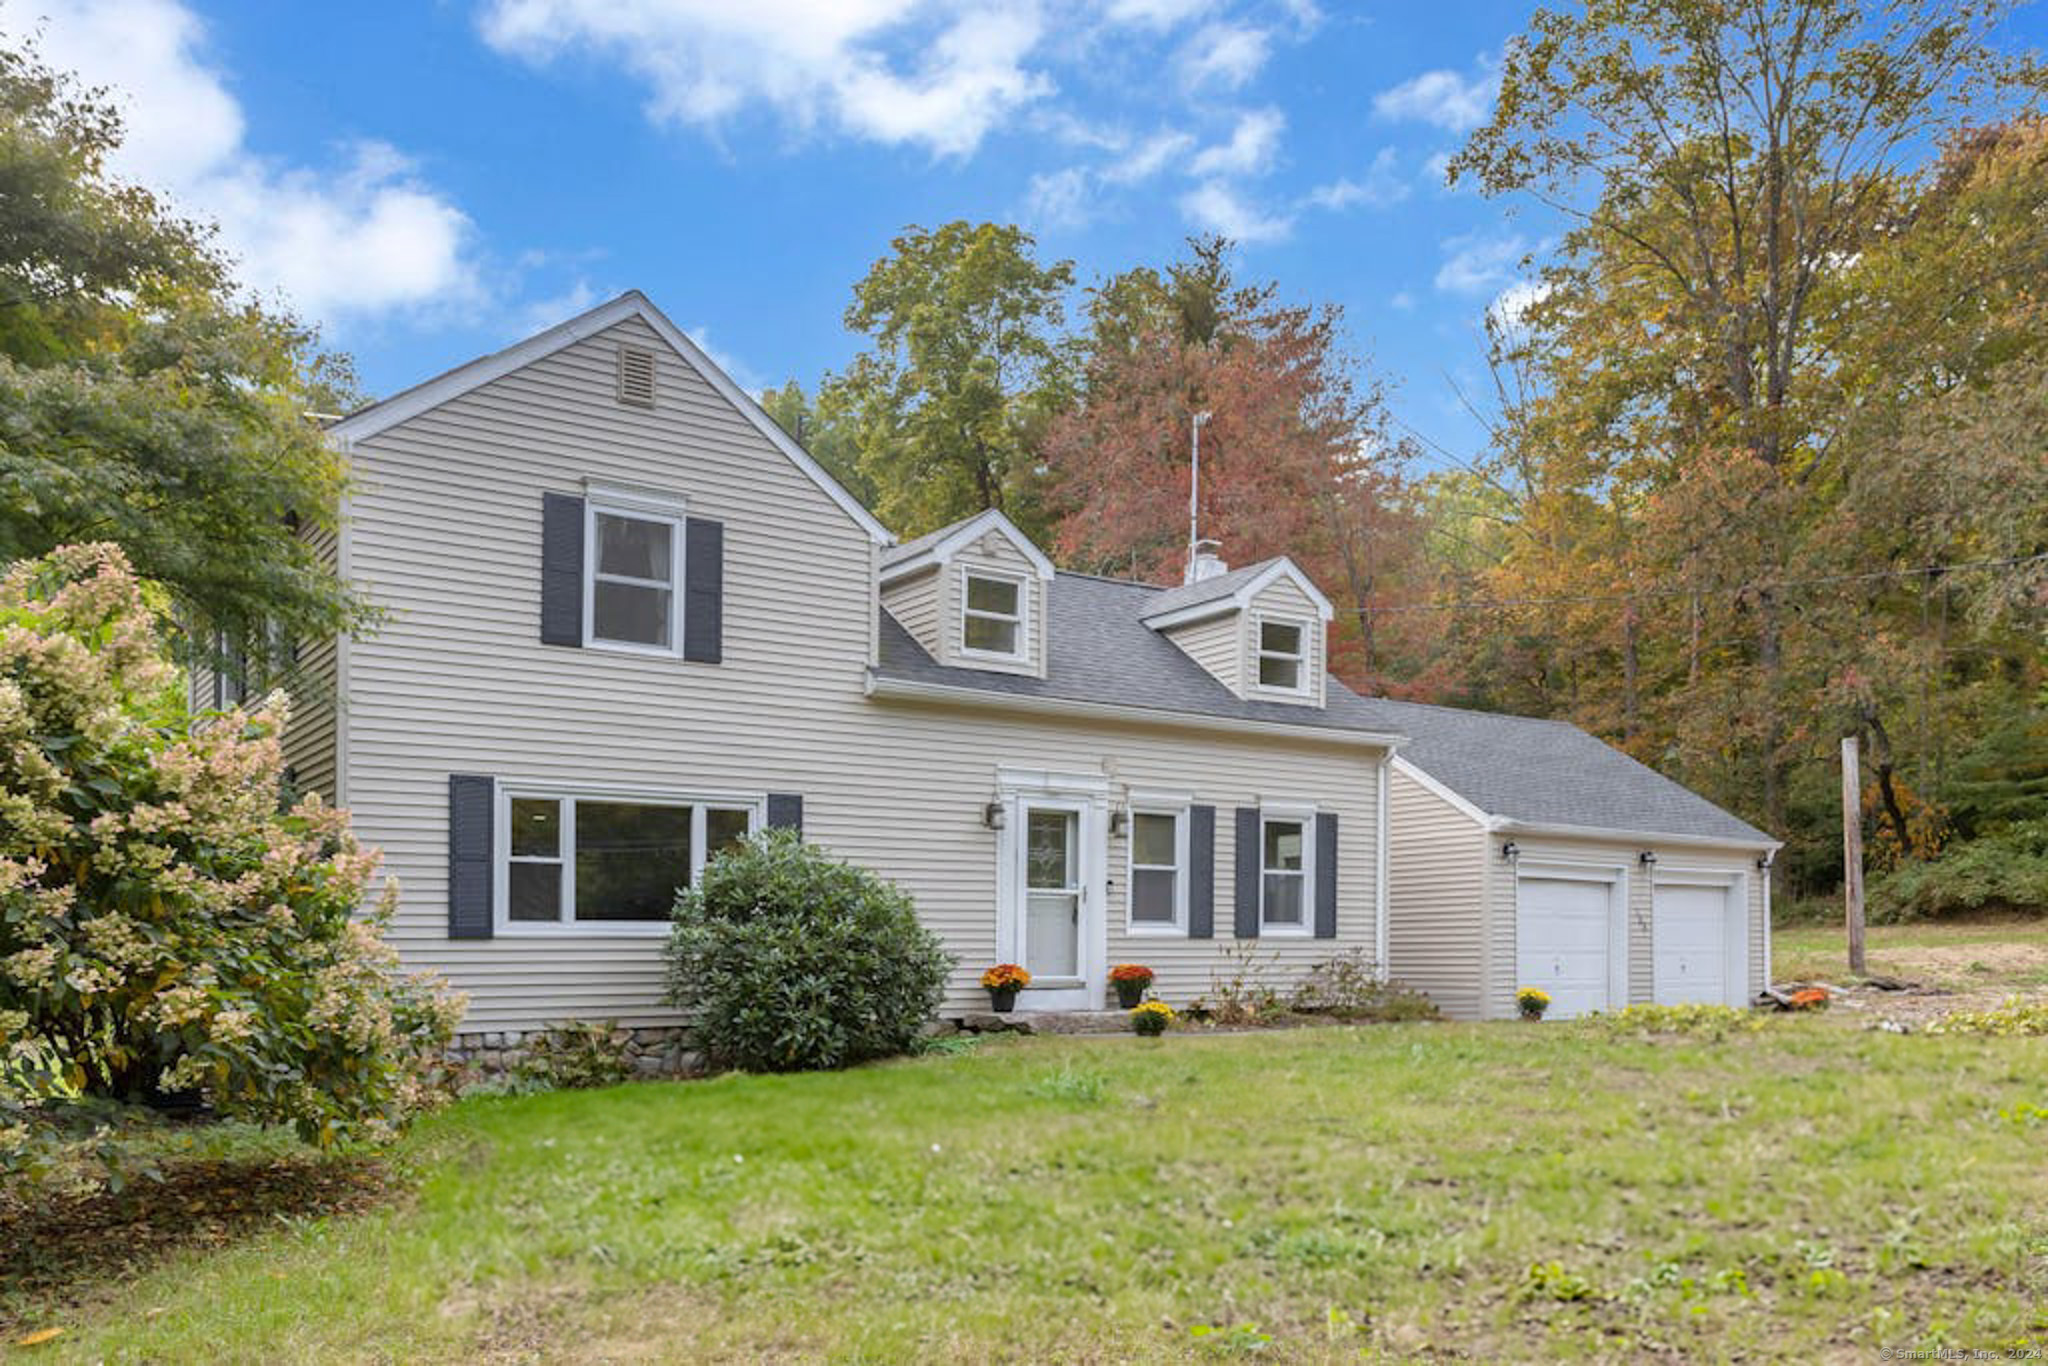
(1506, 1191)
(1994, 955)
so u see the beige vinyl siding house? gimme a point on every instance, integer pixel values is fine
(734, 659)
(1527, 852)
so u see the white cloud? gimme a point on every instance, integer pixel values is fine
(1253, 143)
(1402, 301)
(1160, 14)
(1444, 99)
(1217, 206)
(1058, 199)
(1224, 56)
(1475, 264)
(1146, 160)
(736, 369)
(891, 71)
(1508, 314)
(1380, 186)
(366, 236)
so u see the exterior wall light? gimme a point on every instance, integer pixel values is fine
(1511, 851)
(1648, 858)
(1116, 822)
(992, 815)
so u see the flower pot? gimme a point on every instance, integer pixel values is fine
(1532, 1016)
(1129, 994)
(1150, 1026)
(1002, 1000)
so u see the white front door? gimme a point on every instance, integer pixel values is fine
(1690, 938)
(1564, 937)
(1052, 909)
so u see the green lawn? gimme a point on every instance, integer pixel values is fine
(1806, 1192)
(1964, 956)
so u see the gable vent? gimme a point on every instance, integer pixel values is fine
(636, 376)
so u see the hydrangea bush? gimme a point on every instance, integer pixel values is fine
(165, 925)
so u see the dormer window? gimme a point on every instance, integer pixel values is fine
(992, 616)
(1282, 655)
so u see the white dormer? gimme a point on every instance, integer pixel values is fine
(974, 594)
(1259, 631)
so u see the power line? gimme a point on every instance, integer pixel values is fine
(1668, 591)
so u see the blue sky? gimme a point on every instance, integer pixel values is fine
(431, 181)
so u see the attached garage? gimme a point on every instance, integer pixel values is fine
(1529, 853)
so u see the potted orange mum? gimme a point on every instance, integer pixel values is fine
(1004, 981)
(1131, 980)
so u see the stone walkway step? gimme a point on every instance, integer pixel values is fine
(1047, 1022)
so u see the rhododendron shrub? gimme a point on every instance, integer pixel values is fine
(166, 926)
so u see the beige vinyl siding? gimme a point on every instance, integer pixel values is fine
(445, 532)
(310, 737)
(914, 602)
(1623, 854)
(1217, 645)
(1284, 598)
(1436, 897)
(996, 554)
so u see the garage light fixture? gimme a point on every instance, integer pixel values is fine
(1763, 862)
(1648, 858)
(1511, 851)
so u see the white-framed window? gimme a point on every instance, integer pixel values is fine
(632, 575)
(595, 861)
(1286, 871)
(1159, 869)
(1283, 654)
(992, 615)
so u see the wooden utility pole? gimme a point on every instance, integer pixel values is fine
(1852, 851)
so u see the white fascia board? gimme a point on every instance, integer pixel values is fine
(1241, 599)
(963, 535)
(421, 398)
(1406, 767)
(1509, 826)
(908, 691)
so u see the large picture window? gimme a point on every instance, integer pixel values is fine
(1159, 889)
(633, 561)
(588, 859)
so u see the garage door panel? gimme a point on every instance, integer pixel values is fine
(1562, 942)
(1690, 934)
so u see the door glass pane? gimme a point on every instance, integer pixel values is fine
(630, 860)
(1283, 846)
(536, 827)
(992, 595)
(629, 546)
(534, 891)
(1049, 849)
(1152, 896)
(997, 637)
(1152, 841)
(723, 828)
(629, 612)
(1052, 938)
(1283, 899)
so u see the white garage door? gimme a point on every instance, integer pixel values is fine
(1689, 938)
(1562, 942)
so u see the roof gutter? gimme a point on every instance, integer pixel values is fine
(898, 689)
(1510, 826)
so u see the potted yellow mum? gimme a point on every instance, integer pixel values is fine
(1532, 1002)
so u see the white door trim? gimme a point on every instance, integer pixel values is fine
(1615, 875)
(1734, 926)
(1087, 795)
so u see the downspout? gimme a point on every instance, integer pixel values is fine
(1384, 838)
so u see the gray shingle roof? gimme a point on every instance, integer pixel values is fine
(1103, 652)
(1553, 773)
(1208, 590)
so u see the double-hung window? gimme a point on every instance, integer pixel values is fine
(1285, 858)
(1159, 870)
(633, 561)
(1283, 655)
(590, 859)
(992, 616)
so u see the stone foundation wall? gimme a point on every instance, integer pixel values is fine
(656, 1052)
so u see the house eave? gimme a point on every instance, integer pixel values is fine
(906, 690)
(1506, 825)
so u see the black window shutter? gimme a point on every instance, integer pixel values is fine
(704, 590)
(471, 819)
(1201, 872)
(1326, 875)
(561, 570)
(1247, 858)
(786, 811)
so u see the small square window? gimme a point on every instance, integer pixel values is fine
(1281, 656)
(633, 580)
(992, 616)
